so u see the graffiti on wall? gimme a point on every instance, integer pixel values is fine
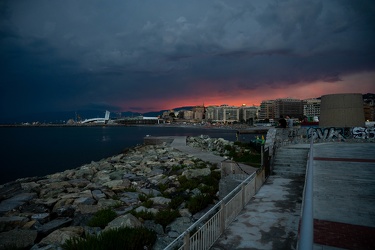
(363, 133)
(342, 134)
(329, 133)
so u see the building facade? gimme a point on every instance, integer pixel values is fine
(288, 106)
(248, 114)
(311, 108)
(223, 114)
(267, 110)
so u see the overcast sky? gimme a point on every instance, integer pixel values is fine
(148, 55)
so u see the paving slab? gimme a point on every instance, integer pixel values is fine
(344, 196)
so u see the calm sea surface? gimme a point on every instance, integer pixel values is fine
(38, 151)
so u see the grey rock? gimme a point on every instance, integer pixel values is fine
(29, 185)
(150, 224)
(193, 173)
(84, 201)
(150, 191)
(106, 203)
(16, 201)
(160, 200)
(11, 222)
(17, 237)
(127, 220)
(179, 225)
(79, 183)
(54, 225)
(42, 218)
(61, 235)
(98, 194)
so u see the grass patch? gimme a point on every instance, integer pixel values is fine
(102, 218)
(115, 239)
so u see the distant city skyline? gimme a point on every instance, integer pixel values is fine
(143, 56)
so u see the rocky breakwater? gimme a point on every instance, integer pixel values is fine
(46, 211)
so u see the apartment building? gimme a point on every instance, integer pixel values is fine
(267, 110)
(274, 109)
(248, 114)
(223, 114)
(311, 107)
(288, 106)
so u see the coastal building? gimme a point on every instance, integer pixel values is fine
(248, 114)
(267, 110)
(311, 108)
(288, 106)
(186, 114)
(223, 114)
(199, 113)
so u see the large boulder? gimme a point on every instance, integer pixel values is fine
(193, 173)
(127, 220)
(17, 238)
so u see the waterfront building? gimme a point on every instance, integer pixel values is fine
(267, 110)
(288, 106)
(311, 108)
(199, 113)
(248, 114)
(223, 114)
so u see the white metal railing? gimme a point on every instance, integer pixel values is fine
(306, 239)
(218, 218)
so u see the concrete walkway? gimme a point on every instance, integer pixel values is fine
(344, 205)
(270, 220)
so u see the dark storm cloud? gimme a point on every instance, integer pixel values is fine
(103, 54)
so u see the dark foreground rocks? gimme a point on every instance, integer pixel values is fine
(46, 211)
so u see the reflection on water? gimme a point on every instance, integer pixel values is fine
(105, 138)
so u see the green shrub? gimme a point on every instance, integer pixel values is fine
(102, 218)
(176, 202)
(188, 184)
(199, 202)
(121, 238)
(165, 217)
(143, 214)
(162, 187)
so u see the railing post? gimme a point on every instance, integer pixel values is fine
(187, 241)
(243, 195)
(222, 218)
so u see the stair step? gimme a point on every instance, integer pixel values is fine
(290, 161)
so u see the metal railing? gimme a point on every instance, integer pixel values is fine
(306, 240)
(205, 231)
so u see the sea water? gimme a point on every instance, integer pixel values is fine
(38, 151)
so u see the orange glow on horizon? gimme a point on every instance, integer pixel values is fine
(355, 83)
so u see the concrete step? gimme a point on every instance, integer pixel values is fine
(290, 161)
(291, 166)
(288, 173)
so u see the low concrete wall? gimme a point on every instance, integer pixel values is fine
(153, 140)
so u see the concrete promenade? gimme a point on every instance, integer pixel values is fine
(344, 205)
